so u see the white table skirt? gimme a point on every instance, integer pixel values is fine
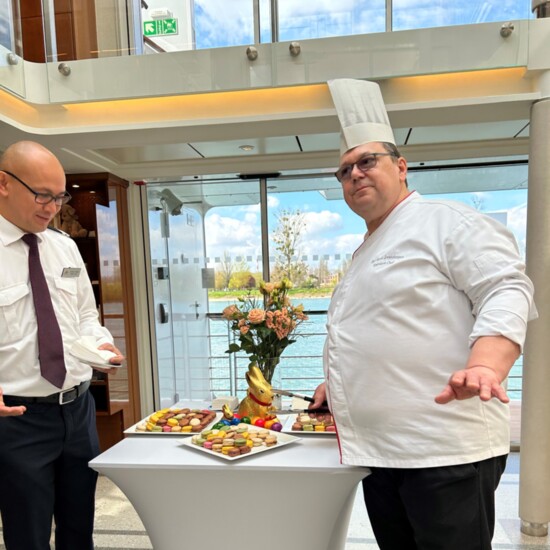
(296, 496)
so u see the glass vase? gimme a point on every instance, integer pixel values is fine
(277, 383)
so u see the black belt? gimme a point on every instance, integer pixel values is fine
(60, 398)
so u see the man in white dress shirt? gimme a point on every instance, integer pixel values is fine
(47, 431)
(421, 334)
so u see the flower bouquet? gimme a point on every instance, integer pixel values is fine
(264, 328)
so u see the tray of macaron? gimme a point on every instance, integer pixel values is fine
(315, 421)
(238, 441)
(175, 421)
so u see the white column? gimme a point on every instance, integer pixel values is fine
(534, 487)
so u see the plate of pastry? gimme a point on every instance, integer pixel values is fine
(175, 421)
(238, 441)
(310, 422)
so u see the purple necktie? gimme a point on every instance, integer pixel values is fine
(50, 342)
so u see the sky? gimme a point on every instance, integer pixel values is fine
(331, 228)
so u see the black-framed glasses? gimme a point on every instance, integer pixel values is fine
(365, 163)
(43, 198)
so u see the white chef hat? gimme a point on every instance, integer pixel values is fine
(361, 112)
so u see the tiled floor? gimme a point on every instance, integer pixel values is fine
(118, 526)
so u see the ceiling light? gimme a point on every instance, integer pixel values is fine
(75, 186)
(246, 147)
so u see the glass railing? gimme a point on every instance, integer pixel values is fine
(301, 366)
(64, 31)
(216, 45)
(300, 369)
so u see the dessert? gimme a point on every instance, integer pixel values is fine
(177, 421)
(234, 440)
(312, 421)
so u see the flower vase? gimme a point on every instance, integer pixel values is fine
(277, 383)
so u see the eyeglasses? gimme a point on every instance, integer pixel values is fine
(43, 198)
(365, 163)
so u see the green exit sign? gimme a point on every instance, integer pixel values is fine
(160, 27)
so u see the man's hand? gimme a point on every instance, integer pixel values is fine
(474, 381)
(10, 411)
(319, 397)
(117, 360)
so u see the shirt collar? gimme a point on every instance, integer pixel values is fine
(10, 233)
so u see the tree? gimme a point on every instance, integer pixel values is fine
(344, 266)
(287, 237)
(228, 267)
(323, 272)
(241, 280)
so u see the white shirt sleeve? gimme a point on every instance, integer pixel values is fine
(483, 260)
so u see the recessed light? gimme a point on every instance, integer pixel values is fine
(76, 186)
(246, 147)
(92, 191)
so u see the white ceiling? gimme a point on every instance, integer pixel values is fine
(305, 143)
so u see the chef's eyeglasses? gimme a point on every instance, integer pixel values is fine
(43, 198)
(364, 164)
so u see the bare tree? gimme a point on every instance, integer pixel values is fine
(287, 237)
(228, 268)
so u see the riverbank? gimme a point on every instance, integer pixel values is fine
(294, 294)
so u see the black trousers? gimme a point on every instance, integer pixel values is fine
(44, 474)
(443, 508)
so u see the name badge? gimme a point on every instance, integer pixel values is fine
(70, 272)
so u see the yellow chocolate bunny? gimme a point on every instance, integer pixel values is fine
(259, 397)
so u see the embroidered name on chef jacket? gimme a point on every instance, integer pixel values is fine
(386, 259)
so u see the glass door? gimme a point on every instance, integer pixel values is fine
(180, 297)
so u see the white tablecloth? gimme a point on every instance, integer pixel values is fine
(295, 496)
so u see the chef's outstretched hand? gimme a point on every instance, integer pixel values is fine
(479, 381)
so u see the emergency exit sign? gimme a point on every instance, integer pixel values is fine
(160, 27)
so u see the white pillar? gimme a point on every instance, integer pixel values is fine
(534, 486)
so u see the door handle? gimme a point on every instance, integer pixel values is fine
(164, 314)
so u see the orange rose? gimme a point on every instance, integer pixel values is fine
(256, 316)
(231, 312)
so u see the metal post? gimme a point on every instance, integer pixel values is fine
(50, 38)
(534, 483)
(257, 27)
(265, 229)
(274, 21)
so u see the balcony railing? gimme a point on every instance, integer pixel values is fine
(301, 366)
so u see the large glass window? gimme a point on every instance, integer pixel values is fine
(314, 19)
(310, 235)
(220, 23)
(419, 14)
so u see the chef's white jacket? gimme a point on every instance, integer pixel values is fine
(420, 290)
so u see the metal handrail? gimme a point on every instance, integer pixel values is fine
(291, 364)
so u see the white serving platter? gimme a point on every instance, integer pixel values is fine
(282, 440)
(94, 364)
(132, 430)
(287, 428)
